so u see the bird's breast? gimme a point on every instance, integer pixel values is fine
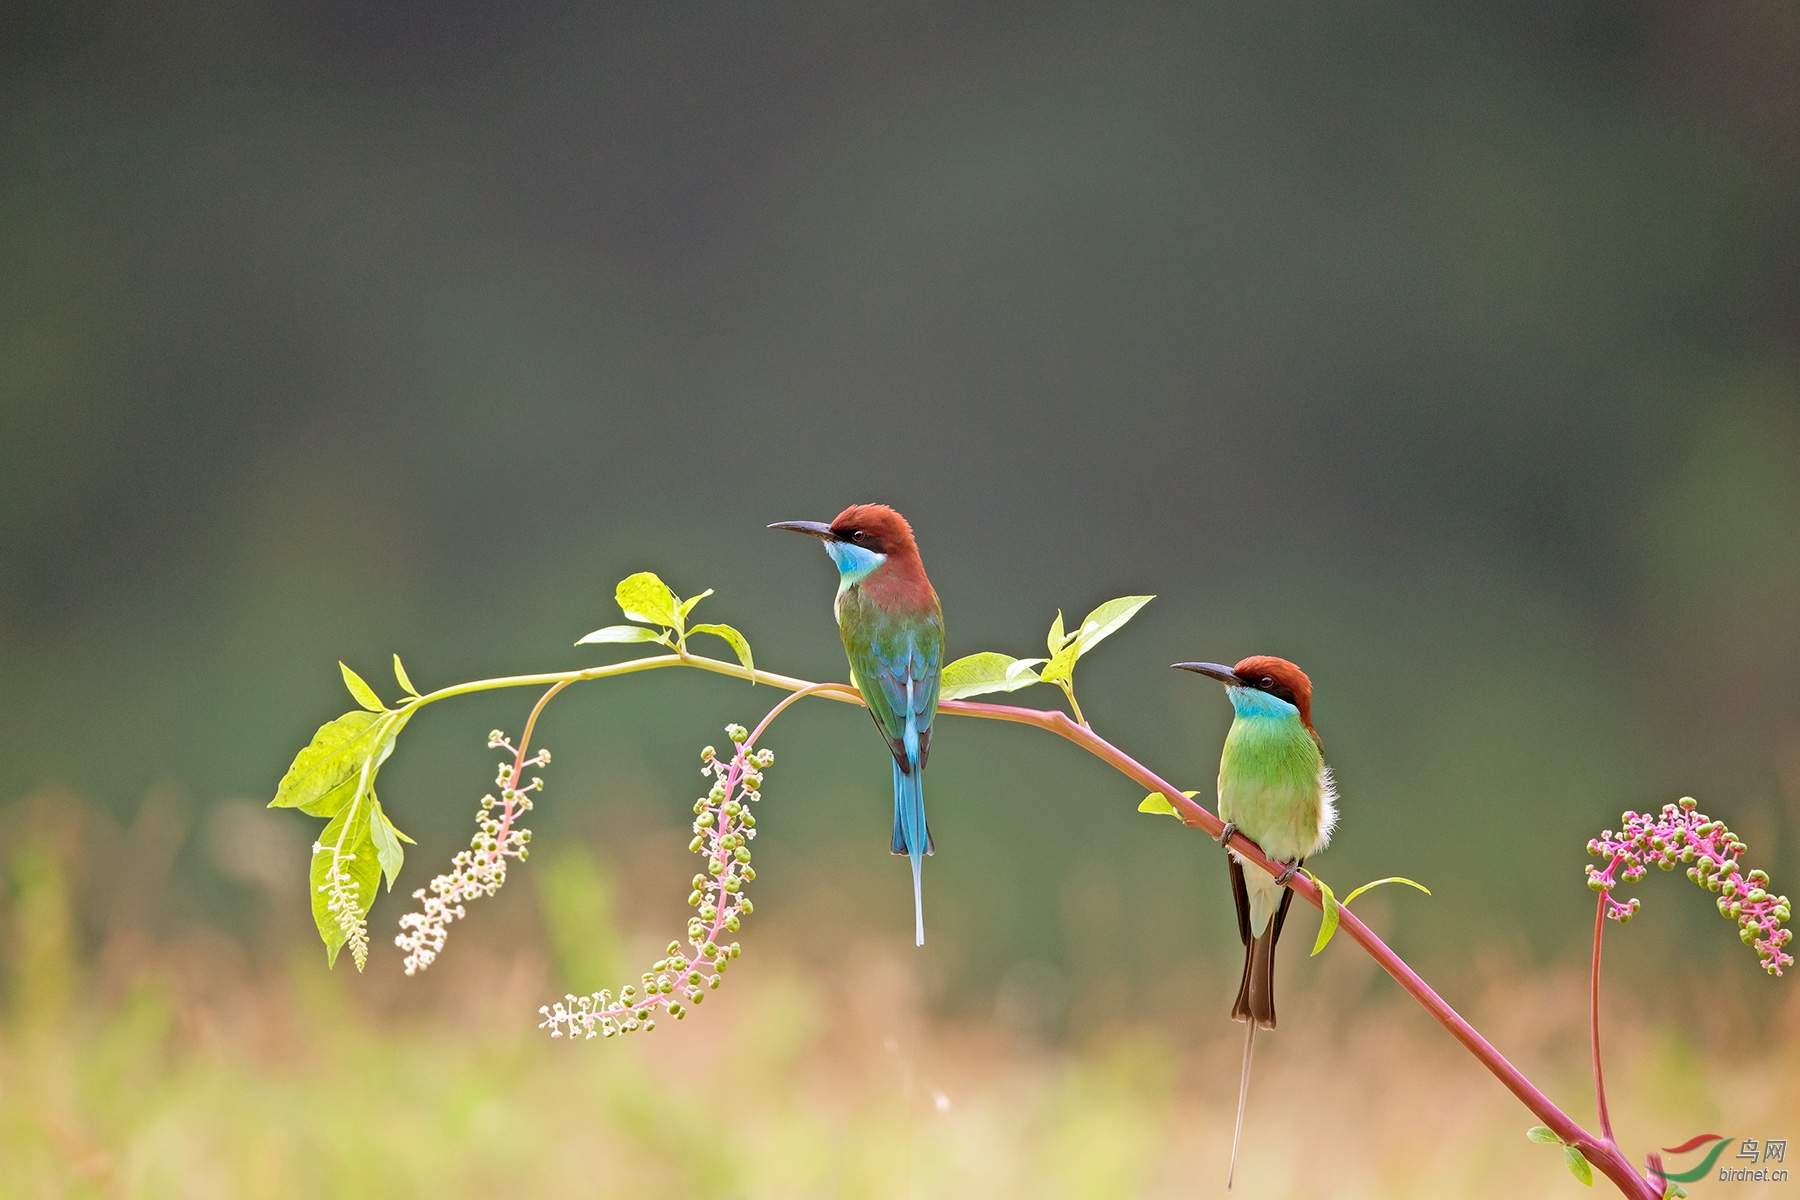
(1273, 784)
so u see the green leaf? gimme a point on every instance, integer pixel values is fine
(1542, 1133)
(334, 755)
(989, 671)
(406, 685)
(1578, 1166)
(324, 776)
(346, 841)
(1390, 879)
(362, 692)
(1107, 620)
(1156, 802)
(1328, 910)
(687, 606)
(645, 598)
(1062, 664)
(738, 643)
(1330, 906)
(1057, 636)
(624, 633)
(387, 838)
(1021, 669)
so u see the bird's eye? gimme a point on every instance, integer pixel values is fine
(1268, 683)
(857, 536)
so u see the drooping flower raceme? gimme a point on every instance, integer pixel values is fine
(344, 905)
(481, 869)
(1681, 834)
(724, 826)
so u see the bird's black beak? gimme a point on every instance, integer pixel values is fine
(818, 529)
(1218, 671)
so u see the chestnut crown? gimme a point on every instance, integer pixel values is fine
(1279, 678)
(874, 527)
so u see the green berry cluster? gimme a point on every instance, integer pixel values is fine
(724, 827)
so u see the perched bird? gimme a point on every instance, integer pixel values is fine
(893, 630)
(1274, 788)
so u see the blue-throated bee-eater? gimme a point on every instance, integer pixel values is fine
(893, 630)
(1275, 789)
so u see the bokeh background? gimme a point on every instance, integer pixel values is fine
(1452, 351)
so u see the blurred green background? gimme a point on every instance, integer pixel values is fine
(1452, 351)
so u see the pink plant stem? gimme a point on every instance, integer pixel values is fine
(509, 810)
(1594, 1022)
(740, 756)
(809, 690)
(1603, 1154)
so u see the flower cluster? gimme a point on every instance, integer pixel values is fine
(343, 903)
(723, 828)
(479, 870)
(1681, 834)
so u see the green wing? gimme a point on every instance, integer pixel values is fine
(887, 653)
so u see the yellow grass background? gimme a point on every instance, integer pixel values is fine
(202, 1065)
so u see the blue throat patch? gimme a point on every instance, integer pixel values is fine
(1254, 702)
(853, 562)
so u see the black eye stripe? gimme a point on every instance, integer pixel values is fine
(1279, 690)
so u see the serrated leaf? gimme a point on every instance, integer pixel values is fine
(646, 598)
(1328, 913)
(1390, 879)
(361, 692)
(387, 837)
(1542, 1133)
(623, 633)
(406, 685)
(738, 643)
(1057, 636)
(324, 775)
(979, 674)
(1156, 802)
(687, 606)
(346, 842)
(1578, 1166)
(1107, 620)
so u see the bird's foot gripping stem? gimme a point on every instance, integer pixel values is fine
(1225, 833)
(1287, 873)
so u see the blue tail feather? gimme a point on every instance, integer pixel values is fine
(912, 837)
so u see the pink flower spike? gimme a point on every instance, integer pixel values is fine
(723, 828)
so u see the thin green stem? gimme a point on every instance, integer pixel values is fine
(531, 723)
(841, 692)
(1069, 691)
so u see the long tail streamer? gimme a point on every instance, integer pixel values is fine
(1243, 1095)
